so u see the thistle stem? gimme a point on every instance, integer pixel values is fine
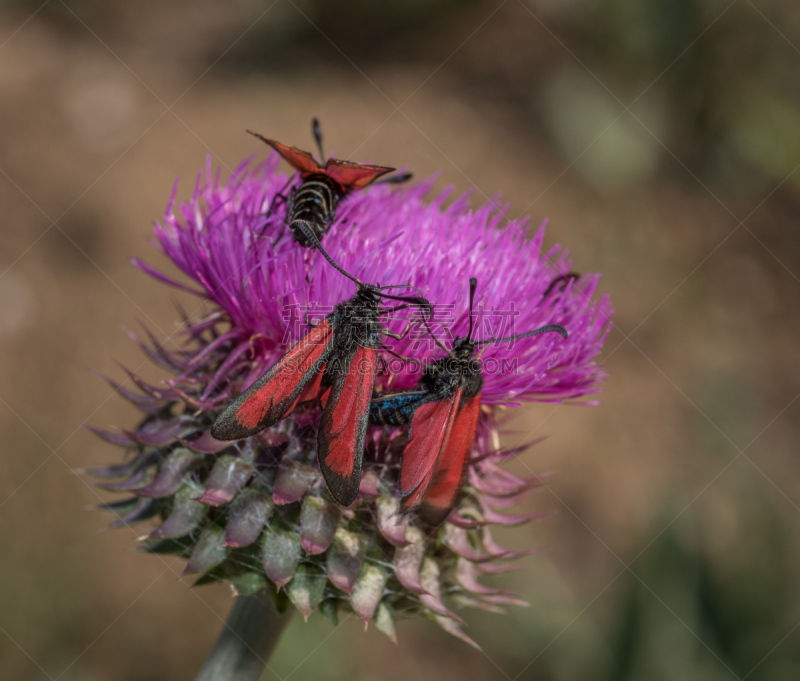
(247, 641)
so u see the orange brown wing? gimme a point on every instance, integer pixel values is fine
(449, 475)
(275, 394)
(297, 158)
(343, 428)
(353, 175)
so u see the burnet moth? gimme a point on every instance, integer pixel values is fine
(443, 412)
(338, 359)
(315, 200)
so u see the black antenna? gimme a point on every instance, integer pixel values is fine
(414, 300)
(309, 234)
(316, 130)
(383, 288)
(568, 277)
(435, 339)
(473, 284)
(550, 327)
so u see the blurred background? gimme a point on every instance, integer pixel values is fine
(660, 138)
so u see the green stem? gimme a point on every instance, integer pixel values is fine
(245, 644)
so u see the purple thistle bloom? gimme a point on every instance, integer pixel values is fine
(256, 512)
(385, 236)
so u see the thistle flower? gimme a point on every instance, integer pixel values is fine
(256, 513)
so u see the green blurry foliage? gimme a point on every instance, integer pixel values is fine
(715, 595)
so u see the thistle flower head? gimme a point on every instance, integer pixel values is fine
(256, 512)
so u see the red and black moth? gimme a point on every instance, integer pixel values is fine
(443, 412)
(315, 200)
(337, 359)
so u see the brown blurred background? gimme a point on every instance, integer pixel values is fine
(659, 137)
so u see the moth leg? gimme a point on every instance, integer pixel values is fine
(399, 336)
(405, 359)
(280, 197)
(289, 211)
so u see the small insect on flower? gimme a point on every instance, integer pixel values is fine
(315, 200)
(338, 356)
(443, 413)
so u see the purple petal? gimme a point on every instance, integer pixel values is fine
(467, 576)
(140, 478)
(119, 439)
(158, 433)
(460, 521)
(511, 499)
(163, 278)
(143, 509)
(318, 522)
(146, 403)
(117, 471)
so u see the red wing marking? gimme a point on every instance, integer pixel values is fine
(310, 391)
(297, 158)
(342, 431)
(449, 475)
(353, 175)
(431, 426)
(273, 395)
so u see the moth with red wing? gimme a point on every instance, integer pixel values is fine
(443, 412)
(339, 358)
(315, 200)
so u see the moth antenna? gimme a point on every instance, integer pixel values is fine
(316, 130)
(383, 288)
(568, 277)
(419, 301)
(309, 234)
(435, 339)
(560, 330)
(473, 284)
